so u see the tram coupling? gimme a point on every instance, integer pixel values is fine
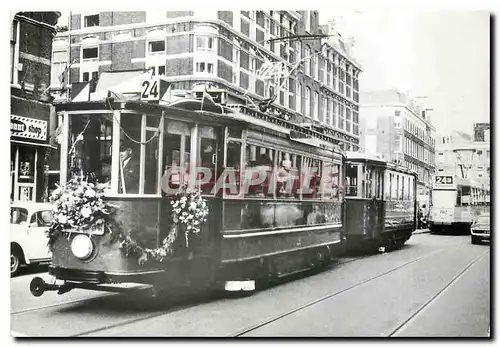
(38, 286)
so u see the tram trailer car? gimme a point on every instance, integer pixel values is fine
(381, 203)
(248, 237)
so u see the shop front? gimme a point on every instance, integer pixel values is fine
(28, 150)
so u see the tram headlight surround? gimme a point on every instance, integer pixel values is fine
(82, 247)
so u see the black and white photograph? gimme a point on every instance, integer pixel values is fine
(217, 171)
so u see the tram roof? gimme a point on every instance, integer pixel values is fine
(361, 156)
(375, 159)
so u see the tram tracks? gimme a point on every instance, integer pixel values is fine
(188, 303)
(398, 328)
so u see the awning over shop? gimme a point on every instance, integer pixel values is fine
(127, 83)
(33, 144)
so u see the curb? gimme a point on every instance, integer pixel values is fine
(421, 231)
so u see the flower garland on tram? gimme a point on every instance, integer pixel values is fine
(79, 205)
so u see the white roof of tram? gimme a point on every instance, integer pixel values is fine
(364, 156)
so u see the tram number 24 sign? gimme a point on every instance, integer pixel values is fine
(444, 180)
(150, 89)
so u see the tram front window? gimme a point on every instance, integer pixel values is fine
(90, 142)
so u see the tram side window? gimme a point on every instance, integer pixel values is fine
(232, 172)
(387, 186)
(90, 143)
(368, 182)
(207, 159)
(394, 186)
(352, 180)
(259, 167)
(459, 196)
(330, 181)
(130, 138)
(176, 149)
(287, 179)
(151, 153)
(409, 188)
(402, 189)
(311, 178)
(380, 179)
(466, 196)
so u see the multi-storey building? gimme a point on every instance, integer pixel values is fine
(398, 130)
(458, 153)
(227, 51)
(31, 116)
(482, 132)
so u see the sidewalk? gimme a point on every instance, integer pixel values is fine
(421, 231)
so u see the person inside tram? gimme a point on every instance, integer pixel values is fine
(264, 167)
(207, 158)
(284, 175)
(129, 170)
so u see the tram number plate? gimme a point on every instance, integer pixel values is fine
(150, 89)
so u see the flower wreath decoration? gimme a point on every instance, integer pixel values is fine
(189, 212)
(79, 205)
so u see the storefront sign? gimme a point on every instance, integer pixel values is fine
(28, 128)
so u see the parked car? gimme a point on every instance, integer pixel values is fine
(29, 222)
(480, 229)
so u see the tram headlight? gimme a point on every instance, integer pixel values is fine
(82, 246)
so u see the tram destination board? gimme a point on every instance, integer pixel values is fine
(443, 179)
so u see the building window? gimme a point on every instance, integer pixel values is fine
(316, 106)
(157, 70)
(307, 64)
(334, 112)
(58, 66)
(328, 113)
(307, 111)
(156, 46)
(90, 53)
(86, 75)
(91, 21)
(348, 119)
(299, 97)
(205, 67)
(204, 43)
(341, 117)
(14, 52)
(397, 119)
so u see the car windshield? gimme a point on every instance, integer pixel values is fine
(18, 215)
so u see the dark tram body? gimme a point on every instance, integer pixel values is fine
(264, 231)
(380, 203)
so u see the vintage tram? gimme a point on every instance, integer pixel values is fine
(380, 200)
(283, 222)
(456, 202)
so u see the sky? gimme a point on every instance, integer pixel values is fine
(440, 57)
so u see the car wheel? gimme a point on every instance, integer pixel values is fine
(15, 262)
